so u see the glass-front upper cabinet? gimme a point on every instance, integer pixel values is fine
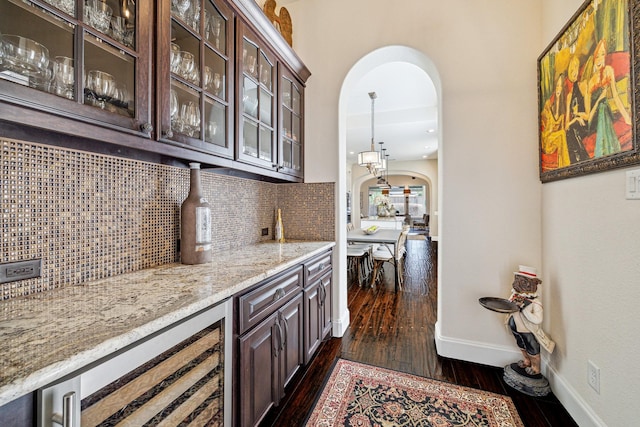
(196, 76)
(87, 60)
(290, 143)
(256, 102)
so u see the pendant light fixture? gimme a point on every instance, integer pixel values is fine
(371, 160)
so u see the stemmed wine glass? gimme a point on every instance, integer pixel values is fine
(101, 86)
(176, 120)
(216, 29)
(190, 115)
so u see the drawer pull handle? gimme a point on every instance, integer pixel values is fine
(67, 417)
(278, 294)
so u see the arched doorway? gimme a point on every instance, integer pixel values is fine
(360, 68)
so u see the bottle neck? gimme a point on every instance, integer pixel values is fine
(194, 187)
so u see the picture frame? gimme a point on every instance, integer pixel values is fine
(588, 93)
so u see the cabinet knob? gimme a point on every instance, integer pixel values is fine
(146, 128)
(167, 133)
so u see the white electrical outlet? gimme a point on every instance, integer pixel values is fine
(593, 376)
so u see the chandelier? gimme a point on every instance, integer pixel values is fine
(372, 160)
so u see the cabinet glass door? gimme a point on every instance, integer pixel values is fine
(84, 52)
(290, 147)
(256, 104)
(196, 104)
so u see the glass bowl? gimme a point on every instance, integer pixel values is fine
(24, 55)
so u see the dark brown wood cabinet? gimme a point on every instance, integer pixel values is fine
(280, 325)
(317, 300)
(205, 86)
(291, 126)
(270, 354)
(66, 68)
(195, 77)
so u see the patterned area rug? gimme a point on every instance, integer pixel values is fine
(363, 395)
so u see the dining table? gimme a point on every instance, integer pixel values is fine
(382, 236)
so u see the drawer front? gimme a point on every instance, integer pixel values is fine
(268, 297)
(316, 267)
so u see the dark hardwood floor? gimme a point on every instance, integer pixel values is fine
(396, 331)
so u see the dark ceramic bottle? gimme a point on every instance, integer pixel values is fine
(195, 223)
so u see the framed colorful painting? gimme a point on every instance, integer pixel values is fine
(587, 93)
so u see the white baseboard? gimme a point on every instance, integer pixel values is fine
(340, 325)
(572, 401)
(474, 351)
(477, 352)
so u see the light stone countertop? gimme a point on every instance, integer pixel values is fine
(48, 335)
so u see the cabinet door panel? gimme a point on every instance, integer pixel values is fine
(313, 322)
(91, 68)
(258, 371)
(326, 317)
(194, 65)
(256, 102)
(292, 355)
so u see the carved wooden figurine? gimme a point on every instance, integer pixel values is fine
(282, 22)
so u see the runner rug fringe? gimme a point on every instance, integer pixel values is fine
(363, 395)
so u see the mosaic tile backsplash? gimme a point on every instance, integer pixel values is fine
(91, 216)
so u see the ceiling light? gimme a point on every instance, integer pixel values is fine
(370, 159)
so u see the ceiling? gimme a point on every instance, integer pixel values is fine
(405, 113)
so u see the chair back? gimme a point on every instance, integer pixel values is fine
(350, 226)
(401, 247)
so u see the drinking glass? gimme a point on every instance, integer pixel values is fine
(101, 86)
(118, 28)
(207, 78)
(211, 130)
(99, 14)
(64, 76)
(217, 82)
(181, 7)
(216, 29)
(186, 64)
(176, 121)
(175, 58)
(190, 115)
(194, 76)
(193, 15)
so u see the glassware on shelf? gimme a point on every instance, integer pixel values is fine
(176, 122)
(211, 130)
(175, 58)
(187, 63)
(98, 15)
(192, 17)
(67, 6)
(63, 76)
(119, 29)
(213, 28)
(25, 56)
(180, 7)
(190, 116)
(101, 87)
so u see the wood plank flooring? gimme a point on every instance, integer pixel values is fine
(396, 331)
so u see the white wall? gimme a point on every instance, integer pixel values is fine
(494, 212)
(490, 216)
(591, 271)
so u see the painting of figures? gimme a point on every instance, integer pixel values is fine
(586, 92)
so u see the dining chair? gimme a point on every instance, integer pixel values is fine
(359, 260)
(396, 257)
